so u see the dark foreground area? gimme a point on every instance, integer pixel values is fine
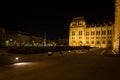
(85, 66)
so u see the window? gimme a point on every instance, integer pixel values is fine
(110, 37)
(80, 23)
(97, 33)
(73, 33)
(73, 41)
(80, 32)
(103, 37)
(87, 37)
(92, 42)
(80, 37)
(87, 33)
(92, 37)
(103, 42)
(109, 32)
(97, 37)
(109, 42)
(80, 41)
(92, 32)
(87, 42)
(98, 42)
(73, 37)
(103, 32)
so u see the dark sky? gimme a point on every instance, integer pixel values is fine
(52, 18)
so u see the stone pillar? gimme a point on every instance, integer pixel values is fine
(117, 27)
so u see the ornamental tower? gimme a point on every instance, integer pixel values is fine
(116, 42)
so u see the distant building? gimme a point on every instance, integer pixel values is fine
(22, 39)
(93, 35)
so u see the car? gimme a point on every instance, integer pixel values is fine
(50, 53)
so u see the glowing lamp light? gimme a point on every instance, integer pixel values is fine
(17, 58)
(69, 51)
(22, 63)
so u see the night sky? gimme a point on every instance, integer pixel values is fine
(52, 18)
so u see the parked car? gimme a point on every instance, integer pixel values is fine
(49, 53)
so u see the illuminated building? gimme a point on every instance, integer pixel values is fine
(116, 42)
(93, 35)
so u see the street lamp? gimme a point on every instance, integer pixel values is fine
(44, 43)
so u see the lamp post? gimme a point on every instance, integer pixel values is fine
(44, 43)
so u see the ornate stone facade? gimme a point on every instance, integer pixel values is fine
(93, 35)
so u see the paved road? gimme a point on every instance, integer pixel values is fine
(64, 67)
